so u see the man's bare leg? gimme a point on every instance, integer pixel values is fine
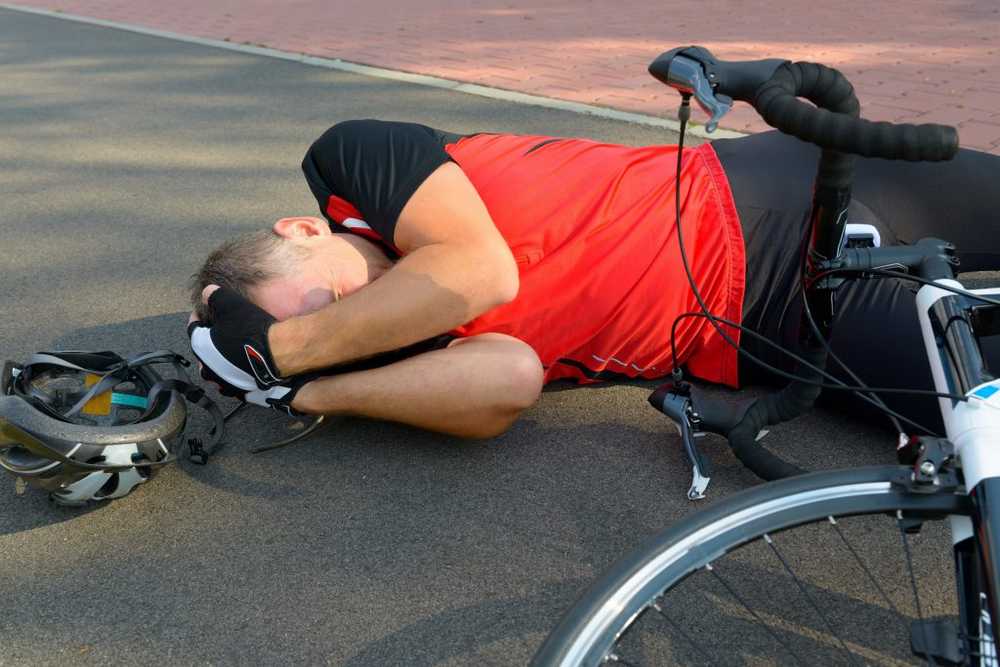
(474, 388)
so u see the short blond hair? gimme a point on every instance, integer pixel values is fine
(243, 263)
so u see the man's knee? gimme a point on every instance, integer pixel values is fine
(523, 378)
(519, 386)
(515, 376)
(510, 374)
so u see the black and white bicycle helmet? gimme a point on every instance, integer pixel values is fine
(90, 426)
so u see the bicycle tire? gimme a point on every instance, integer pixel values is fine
(587, 633)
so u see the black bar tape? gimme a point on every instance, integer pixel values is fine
(794, 400)
(743, 441)
(835, 126)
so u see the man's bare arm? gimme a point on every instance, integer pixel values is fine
(457, 267)
(476, 388)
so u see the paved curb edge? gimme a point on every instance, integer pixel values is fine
(395, 75)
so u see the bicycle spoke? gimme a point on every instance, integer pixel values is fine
(627, 631)
(658, 608)
(708, 566)
(913, 585)
(863, 566)
(802, 589)
(749, 611)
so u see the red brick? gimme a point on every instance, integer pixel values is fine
(980, 99)
(905, 103)
(920, 50)
(983, 136)
(881, 112)
(612, 98)
(883, 86)
(947, 116)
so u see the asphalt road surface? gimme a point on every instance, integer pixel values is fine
(125, 158)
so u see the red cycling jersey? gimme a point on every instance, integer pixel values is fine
(591, 226)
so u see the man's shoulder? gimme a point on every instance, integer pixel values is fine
(358, 130)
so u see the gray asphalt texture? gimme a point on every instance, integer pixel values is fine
(125, 159)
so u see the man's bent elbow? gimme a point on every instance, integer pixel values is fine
(506, 282)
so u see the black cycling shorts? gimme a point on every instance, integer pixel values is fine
(876, 331)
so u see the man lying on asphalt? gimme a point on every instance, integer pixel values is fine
(454, 275)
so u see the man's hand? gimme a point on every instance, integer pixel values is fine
(237, 382)
(282, 396)
(234, 345)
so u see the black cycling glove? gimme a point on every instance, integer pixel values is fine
(233, 346)
(225, 388)
(280, 397)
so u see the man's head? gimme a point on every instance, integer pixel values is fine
(296, 267)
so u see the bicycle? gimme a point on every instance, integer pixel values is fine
(950, 481)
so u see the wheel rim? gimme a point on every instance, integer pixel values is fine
(612, 613)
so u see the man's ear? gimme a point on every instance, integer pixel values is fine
(301, 226)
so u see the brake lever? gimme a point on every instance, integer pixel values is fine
(687, 75)
(674, 400)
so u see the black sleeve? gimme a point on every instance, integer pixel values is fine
(375, 165)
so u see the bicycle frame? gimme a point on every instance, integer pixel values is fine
(951, 329)
(950, 323)
(951, 326)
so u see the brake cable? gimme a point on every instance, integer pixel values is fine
(684, 114)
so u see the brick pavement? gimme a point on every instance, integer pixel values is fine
(911, 61)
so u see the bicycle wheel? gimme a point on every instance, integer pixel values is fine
(664, 603)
